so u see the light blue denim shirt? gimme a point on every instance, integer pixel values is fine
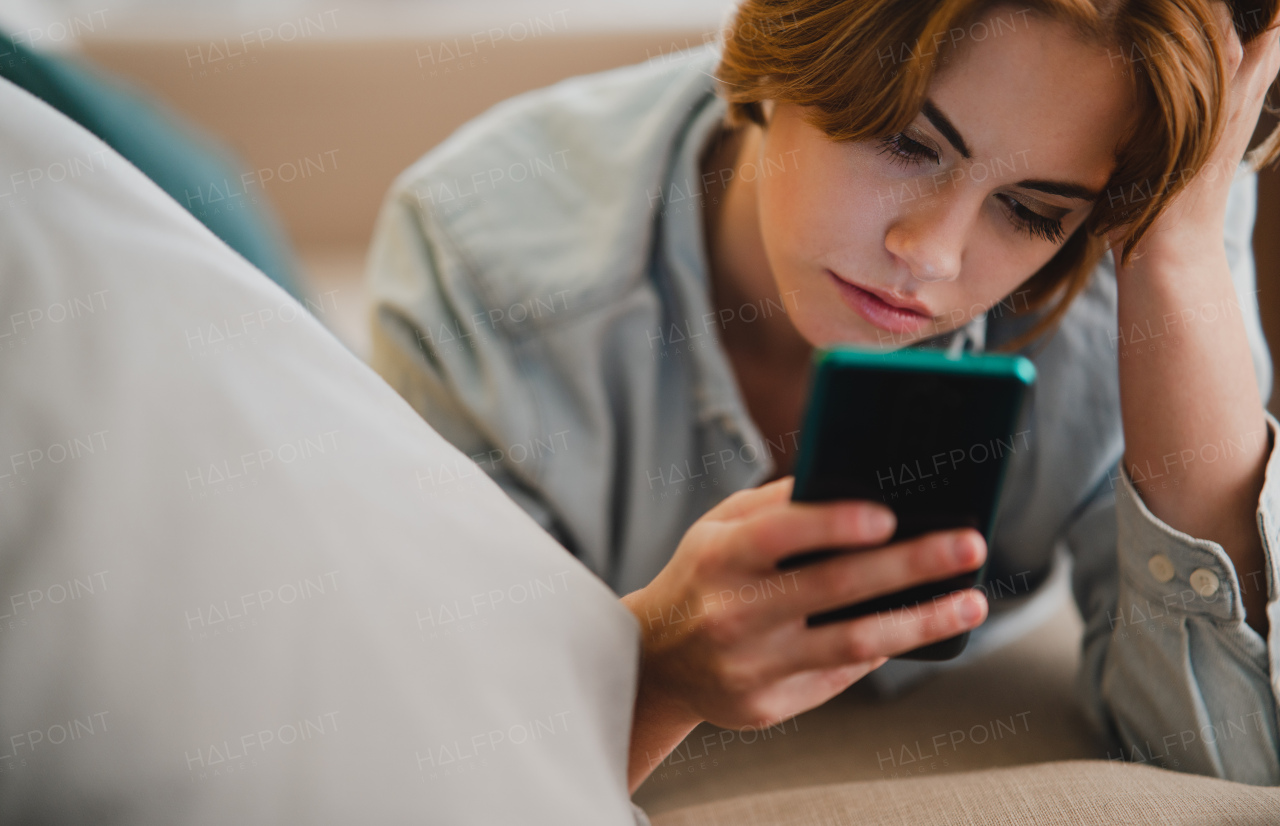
(541, 297)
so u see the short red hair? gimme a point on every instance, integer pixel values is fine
(862, 68)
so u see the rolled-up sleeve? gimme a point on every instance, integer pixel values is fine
(1187, 681)
(1171, 672)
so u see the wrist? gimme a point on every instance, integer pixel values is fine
(661, 718)
(659, 724)
(1191, 226)
(655, 698)
(1171, 253)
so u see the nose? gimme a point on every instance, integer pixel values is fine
(930, 238)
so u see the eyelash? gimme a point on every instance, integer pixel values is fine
(1032, 223)
(905, 152)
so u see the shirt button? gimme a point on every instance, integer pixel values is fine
(1204, 581)
(1160, 567)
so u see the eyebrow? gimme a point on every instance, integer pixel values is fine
(948, 130)
(1066, 190)
(944, 125)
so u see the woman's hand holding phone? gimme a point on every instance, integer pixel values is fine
(724, 633)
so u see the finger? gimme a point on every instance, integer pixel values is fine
(1258, 60)
(1259, 63)
(765, 538)
(882, 635)
(1228, 40)
(744, 502)
(1257, 54)
(1256, 30)
(856, 577)
(798, 693)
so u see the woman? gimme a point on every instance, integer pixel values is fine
(608, 294)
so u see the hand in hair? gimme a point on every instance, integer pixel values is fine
(1196, 214)
(1198, 386)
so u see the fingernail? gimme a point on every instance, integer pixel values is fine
(963, 550)
(970, 610)
(882, 520)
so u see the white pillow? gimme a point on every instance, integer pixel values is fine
(236, 582)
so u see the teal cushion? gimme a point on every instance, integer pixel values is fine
(182, 160)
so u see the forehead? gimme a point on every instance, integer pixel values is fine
(1039, 89)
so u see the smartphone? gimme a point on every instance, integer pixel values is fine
(925, 433)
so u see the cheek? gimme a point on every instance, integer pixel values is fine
(820, 210)
(996, 268)
(831, 207)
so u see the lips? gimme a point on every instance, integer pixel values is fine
(895, 301)
(887, 314)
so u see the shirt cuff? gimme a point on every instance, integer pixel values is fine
(1177, 573)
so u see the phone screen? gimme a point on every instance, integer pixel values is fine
(928, 435)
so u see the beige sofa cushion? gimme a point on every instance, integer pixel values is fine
(1080, 793)
(1016, 705)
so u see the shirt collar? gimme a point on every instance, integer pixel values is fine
(684, 249)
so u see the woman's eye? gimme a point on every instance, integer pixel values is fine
(1032, 224)
(902, 150)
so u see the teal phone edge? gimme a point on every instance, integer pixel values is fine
(827, 361)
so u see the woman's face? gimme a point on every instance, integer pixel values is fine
(953, 214)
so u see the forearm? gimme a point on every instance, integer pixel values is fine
(655, 733)
(1196, 441)
(657, 726)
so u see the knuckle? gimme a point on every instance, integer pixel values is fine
(713, 555)
(739, 678)
(702, 534)
(731, 508)
(726, 628)
(949, 619)
(930, 555)
(707, 566)
(708, 563)
(835, 525)
(737, 497)
(844, 579)
(925, 629)
(933, 619)
(857, 645)
(759, 713)
(760, 533)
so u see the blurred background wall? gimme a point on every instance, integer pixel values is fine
(326, 101)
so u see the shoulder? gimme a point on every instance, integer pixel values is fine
(551, 191)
